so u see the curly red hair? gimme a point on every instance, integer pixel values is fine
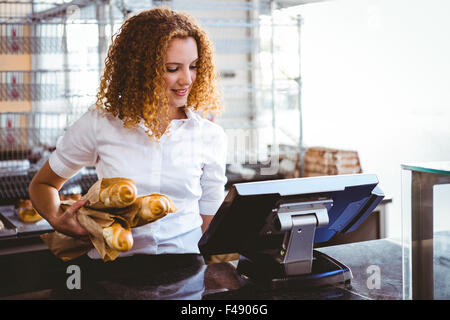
(132, 87)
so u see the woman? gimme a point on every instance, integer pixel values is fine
(159, 74)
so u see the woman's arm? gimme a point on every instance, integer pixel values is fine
(44, 195)
(206, 221)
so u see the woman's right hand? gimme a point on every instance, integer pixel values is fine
(67, 222)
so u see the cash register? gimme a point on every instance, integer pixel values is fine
(274, 225)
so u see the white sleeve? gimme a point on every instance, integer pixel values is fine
(77, 148)
(213, 179)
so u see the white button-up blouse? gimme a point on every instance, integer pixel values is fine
(187, 164)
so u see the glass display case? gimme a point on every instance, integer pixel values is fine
(426, 230)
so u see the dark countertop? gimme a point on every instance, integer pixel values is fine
(39, 275)
(367, 258)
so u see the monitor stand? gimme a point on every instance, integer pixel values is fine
(325, 271)
(295, 264)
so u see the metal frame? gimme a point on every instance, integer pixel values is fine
(53, 91)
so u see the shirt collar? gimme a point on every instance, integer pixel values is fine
(193, 115)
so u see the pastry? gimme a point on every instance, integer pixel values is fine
(23, 203)
(28, 215)
(26, 212)
(117, 237)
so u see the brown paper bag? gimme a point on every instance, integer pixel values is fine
(64, 247)
(68, 248)
(95, 215)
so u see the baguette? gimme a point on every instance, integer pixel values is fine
(155, 206)
(147, 209)
(115, 193)
(117, 237)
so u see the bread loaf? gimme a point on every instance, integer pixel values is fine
(117, 237)
(147, 209)
(155, 206)
(110, 193)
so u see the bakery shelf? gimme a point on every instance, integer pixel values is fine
(242, 32)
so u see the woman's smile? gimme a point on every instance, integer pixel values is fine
(181, 92)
